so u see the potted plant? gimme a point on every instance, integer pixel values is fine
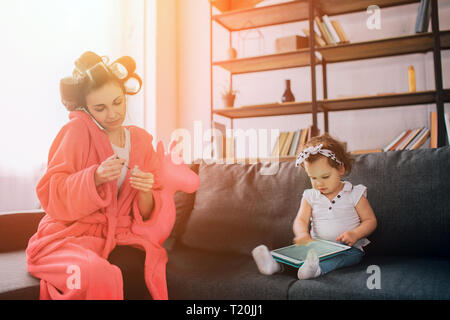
(228, 96)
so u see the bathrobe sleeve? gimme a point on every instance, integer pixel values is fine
(67, 189)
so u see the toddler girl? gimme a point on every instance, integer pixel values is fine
(337, 210)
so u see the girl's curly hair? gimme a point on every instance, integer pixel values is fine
(330, 143)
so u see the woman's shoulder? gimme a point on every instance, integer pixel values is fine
(140, 133)
(75, 128)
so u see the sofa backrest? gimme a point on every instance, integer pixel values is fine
(237, 208)
(16, 228)
(409, 192)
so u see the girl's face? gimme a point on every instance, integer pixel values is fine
(107, 105)
(324, 177)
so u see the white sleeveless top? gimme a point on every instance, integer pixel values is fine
(123, 153)
(331, 218)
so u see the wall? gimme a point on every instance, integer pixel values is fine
(361, 129)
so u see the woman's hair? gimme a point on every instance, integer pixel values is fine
(337, 147)
(92, 72)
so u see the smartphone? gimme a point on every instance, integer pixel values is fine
(98, 124)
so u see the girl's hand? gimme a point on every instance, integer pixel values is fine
(303, 240)
(348, 237)
(140, 180)
(108, 170)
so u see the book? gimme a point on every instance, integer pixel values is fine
(294, 143)
(328, 33)
(420, 140)
(408, 139)
(387, 147)
(317, 37)
(322, 30)
(426, 15)
(447, 125)
(423, 16)
(277, 145)
(331, 30)
(419, 17)
(310, 128)
(415, 138)
(342, 36)
(287, 144)
(282, 140)
(303, 138)
(402, 139)
(433, 129)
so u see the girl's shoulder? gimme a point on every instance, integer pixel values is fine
(355, 191)
(311, 195)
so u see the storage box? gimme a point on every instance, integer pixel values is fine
(290, 43)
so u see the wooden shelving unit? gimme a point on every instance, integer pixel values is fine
(300, 10)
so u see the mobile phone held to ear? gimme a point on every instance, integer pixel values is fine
(93, 119)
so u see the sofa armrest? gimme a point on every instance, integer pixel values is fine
(17, 227)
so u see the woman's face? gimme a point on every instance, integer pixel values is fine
(107, 105)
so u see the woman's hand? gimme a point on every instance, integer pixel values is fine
(108, 170)
(348, 237)
(142, 181)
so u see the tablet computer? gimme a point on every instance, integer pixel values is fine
(295, 255)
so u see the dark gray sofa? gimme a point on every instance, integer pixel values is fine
(236, 208)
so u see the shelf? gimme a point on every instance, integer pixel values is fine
(416, 43)
(265, 16)
(266, 110)
(379, 101)
(336, 7)
(293, 59)
(341, 104)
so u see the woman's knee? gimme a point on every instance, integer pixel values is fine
(103, 279)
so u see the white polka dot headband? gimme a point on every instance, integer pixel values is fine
(315, 150)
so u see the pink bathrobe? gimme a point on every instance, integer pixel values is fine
(83, 223)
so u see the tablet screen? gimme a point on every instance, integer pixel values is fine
(297, 254)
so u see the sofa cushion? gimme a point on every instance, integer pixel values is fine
(196, 274)
(409, 193)
(15, 281)
(400, 278)
(237, 207)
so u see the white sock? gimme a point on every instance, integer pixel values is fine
(310, 268)
(264, 261)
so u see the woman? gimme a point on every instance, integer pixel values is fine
(104, 187)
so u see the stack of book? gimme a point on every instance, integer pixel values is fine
(410, 139)
(290, 143)
(331, 32)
